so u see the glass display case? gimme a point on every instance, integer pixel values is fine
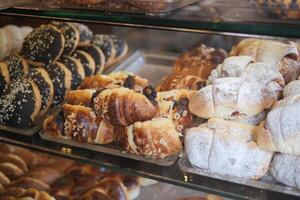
(155, 41)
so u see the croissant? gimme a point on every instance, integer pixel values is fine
(100, 81)
(11, 170)
(173, 105)
(14, 159)
(122, 106)
(80, 97)
(27, 183)
(235, 98)
(130, 81)
(226, 148)
(199, 61)
(80, 124)
(188, 82)
(45, 174)
(4, 181)
(157, 138)
(283, 55)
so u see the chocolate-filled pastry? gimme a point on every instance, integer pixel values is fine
(98, 57)
(21, 104)
(122, 106)
(17, 67)
(100, 81)
(87, 62)
(61, 78)
(156, 138)
(199, 61)
(71, 35)
(130, 81)
(45, 85)
(120, 46)
(80, 97)
(27, 183)
(188, 82)
(76, 69)
(86, 35)
(14, 159)
(11, 170)
(43, 46)
(105, 43)
(54, 125)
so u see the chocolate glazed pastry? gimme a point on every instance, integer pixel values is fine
(61, 78)
(87, 62)
(120, 46)
(43, 46)
(76, 69)
(21, 104)
(105, 43)
(86, 35)
(45, 85)
(17, 67)
(71, 35)
(98, 57)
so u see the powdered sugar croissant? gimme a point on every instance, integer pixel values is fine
(283, 55)
(122, 106)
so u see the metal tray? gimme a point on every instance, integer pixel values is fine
(32, 130)
(265, 183)
(149, 65)
(129, 6)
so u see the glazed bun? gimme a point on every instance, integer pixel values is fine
(87, 62)
(76, 69)
(98, 56)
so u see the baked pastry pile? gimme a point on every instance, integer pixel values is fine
(242, 92)
(24, 174)
(54, 59)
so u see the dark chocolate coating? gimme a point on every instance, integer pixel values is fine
(104, 42)
(2, 83)
(118, 44)
(44, 87)
(84, 61)
(43, 45)
(86, 34)
(72, 66)
(15, 66)
(57, 76)
(71, 35)
(18, 104)
(94, 52)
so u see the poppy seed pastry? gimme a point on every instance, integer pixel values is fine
(105, 43)
(76, 69)
(86, 35)
(13, 67)
(43, 46)
(87, 62)
(71, 35)
(45, 85)
(120, 46)
(61, 78)
(98, 57)
(20, 104)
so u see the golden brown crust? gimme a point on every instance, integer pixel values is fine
(122, 106)
(46, 174)
(188, 82)
(16, 160)
(10, 170)
(27, 183)
(4, 181)
(130, 81)
(80, 97)
(199, 61)
(98, 82)
(54, 125)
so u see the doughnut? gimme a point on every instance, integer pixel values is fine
(87, 62)
(43, 46)
(45, 85)
(21, 103)
(105, 43)
(71, 35)
(86, 35)
(61, 78)
(17, 67)
(120, 46)
(98, 57)
(76, 69)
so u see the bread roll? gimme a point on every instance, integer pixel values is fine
(226, 148)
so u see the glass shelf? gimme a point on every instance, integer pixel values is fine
(191, 19)
(172, 174)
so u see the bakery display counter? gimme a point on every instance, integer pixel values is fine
(216, 17)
